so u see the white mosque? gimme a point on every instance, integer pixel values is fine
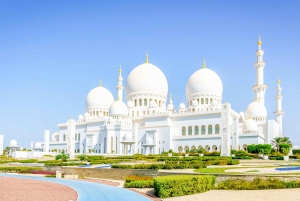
(149, 124)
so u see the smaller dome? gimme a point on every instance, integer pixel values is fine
(86, 115)
(118, 108)
(149, 140)
(80, 117)
(182, 106)
(38, 145)
(250, 125)
(153, 103)
(214, 103)
(55, 137)
(127, 137)
(130, 104)
(195, 103)
(170, 106)
(256, 109)
(13, 143)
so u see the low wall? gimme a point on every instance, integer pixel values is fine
(120, 174)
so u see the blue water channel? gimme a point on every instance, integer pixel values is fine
(89, 191)
(288, 168)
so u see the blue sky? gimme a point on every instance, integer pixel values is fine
(52, 53)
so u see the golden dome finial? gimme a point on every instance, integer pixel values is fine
(100, 83)
(120, 70)
(278, 80)
(147, 58)
(204, 64)
(259, 41)
(170, 94)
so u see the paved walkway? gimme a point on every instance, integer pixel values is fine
(88, 190)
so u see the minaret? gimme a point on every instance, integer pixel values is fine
(260, 88)
(279, 113)
(120, 87)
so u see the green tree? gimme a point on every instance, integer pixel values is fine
(62, 156)
(82, 157)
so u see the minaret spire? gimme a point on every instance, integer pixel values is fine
(147, 58)
(279, 113)
(204, 64)
(100, 83)
(170, 101)
(120, 87)
(260, 88)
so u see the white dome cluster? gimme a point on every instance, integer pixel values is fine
(118, 108)
(204, 82)
(55, 137)
(13, 143)
(99, 100)
(146, 79)
(256, 109)
(250, 126)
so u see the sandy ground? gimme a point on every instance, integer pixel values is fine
(13, 189)
(243, 195)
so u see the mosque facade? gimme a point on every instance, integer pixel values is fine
(149, 124)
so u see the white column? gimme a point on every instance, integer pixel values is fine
(225, 130)
(1, 144)
(46, 140)
(71, 138)
(235, 133)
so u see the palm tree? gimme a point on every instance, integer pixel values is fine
(277, 141)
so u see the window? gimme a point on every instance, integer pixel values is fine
(183, 130)
(180, 149)
(196, 130)
(210, 129)
(145, 102)
(135, 103)
(203, 130)
(190, 130)
(217, 129)
(64, 137)
(140, 101)
(202, 100)
(78, 136)
(206, 101)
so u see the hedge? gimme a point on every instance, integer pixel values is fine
(20, 169)
(257, 184)
(139, 184)
(255, 148)
(179, 185)
(276, 157)
(161, 166)
(286, 146)
(296, 151)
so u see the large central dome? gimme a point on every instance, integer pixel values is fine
(204, 81)
(146, 79)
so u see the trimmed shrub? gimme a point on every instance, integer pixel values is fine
(172, 186)
(252, 148)
(28, 161)
(257, 184)
(242, 157)
(276, 157)
(20, 169)
(286, 146)
(296, 151)
(139, 184)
